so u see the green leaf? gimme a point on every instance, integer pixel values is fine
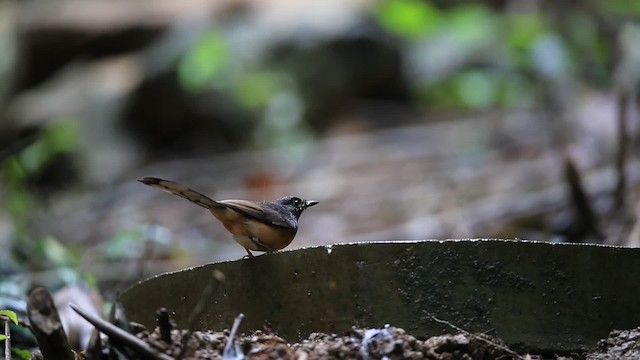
(13, 171)
(476, 89)
(90, 279)
(621, 7)
(127, 243)
(62, 135)
(521, 32)
(17, 203)
(255, 89)
(473, 24)
(523, 29)
(207, 60)
(56, 252)
(409, 18)
(3, 337)
(11, 315)
(21, 354)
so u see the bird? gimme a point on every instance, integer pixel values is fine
(266, 226)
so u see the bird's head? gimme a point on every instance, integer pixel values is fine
(296, 204)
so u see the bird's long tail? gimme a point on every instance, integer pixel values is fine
(180, 190)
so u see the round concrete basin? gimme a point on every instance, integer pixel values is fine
(533, 295)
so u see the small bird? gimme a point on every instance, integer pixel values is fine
(258, 226)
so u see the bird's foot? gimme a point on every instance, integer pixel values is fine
(249, 255)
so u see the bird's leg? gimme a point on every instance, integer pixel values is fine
(249, 252)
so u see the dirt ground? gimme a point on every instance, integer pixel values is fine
(386, 343)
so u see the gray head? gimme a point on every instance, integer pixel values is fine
(295, 204)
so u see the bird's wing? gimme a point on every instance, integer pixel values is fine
(180, 190)
(259, 211)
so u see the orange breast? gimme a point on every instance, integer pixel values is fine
(231, 220)
(271, 237)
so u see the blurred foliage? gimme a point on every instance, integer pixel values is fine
(409, 18)
(620, 7)
(127, 243)
(468, 56)
(11, 317)
(58, 137)
(205, 63)
(495, 54)
(462, 56)
(142, 241)
(524, 29)
(268, 93)
(31, 251)
(20, 354)
(253, 90)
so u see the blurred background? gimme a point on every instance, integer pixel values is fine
(406, 119)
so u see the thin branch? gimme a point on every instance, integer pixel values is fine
(7, 341)
(499, 346)
(586, 221)
(140, 347)
(230, 350)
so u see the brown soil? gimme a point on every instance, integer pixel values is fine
(386, 343)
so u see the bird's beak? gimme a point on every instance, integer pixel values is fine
(309, 203)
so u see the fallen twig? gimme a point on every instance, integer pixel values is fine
(141, 348)
(499, 346)
(165, 325)
(46, 326)
(230, 350)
